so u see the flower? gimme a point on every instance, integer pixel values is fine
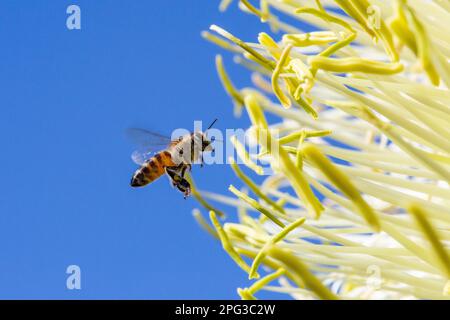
(358, 205)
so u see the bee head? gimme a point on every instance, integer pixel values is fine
(206, 143)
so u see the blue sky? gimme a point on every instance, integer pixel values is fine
(66, 98)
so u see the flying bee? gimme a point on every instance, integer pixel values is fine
(174, 157)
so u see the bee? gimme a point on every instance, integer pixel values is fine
(174, 157)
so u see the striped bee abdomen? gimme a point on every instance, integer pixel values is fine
(152, 169)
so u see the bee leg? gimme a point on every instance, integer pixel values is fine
(173, 176)
(201, 160)
(185, 187)
(178, 181)
(183, 170)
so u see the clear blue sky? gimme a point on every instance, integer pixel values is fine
(66, 98)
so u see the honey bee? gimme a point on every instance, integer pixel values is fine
(174, 157)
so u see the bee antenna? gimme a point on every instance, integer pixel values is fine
(212, 123)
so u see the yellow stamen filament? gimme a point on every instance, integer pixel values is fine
(298, 268)
(306, 133)
(430, 233)
(203, 223)
(226, 82)
(341, 181)
(276, 73)
(355, 65)
(254, 187)
(255, 204)
(197, 195)
(282, 159)
(273, 240)
(254, 10)
(245, 157)
(227, 245)
(248, 293)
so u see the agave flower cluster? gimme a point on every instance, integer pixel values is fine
(358, 205)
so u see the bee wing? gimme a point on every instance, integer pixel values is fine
(140, 157)
(145, 138)
(147, 142)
